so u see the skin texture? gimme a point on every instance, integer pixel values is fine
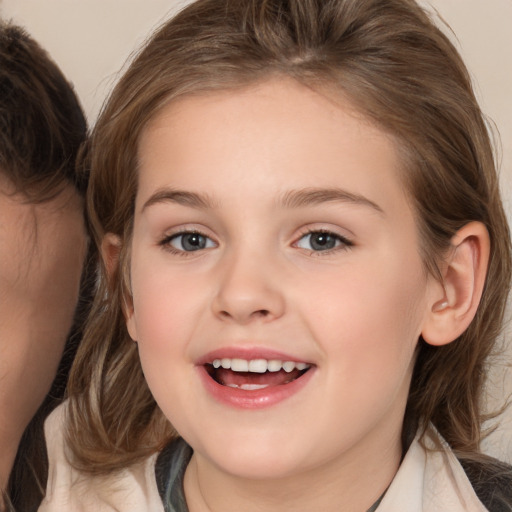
(354, 312)
(42, 250)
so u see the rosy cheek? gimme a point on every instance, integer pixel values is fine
(159, 305)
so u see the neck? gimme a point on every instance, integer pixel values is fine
(352, 485)
(8, 449)
(13, 420)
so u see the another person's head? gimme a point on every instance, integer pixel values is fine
(42, 232)
(397, 82)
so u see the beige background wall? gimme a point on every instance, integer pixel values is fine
(90, 40)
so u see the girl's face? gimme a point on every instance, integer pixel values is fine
(278, 289)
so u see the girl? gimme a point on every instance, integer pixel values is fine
(305, 264)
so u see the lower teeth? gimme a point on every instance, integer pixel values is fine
(217, 375)
(248, 387)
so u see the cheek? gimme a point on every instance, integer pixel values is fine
(165, 306)
(165, 314)
(37, 303)
(367, 327)
(370, 319)
(55, 285)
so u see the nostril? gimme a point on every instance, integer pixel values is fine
(261, 313)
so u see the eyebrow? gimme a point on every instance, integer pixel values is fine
(182, 197)
(314, 196)
(292, 199)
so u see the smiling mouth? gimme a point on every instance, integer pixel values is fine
(255, 374)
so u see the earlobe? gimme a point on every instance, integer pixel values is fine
(110, 252)
(456, 300)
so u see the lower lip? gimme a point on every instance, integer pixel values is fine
(256, 399)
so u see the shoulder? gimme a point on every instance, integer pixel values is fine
(130, 490)
(431, 479)
(492, 481)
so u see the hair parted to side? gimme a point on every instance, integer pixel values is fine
(397, 69)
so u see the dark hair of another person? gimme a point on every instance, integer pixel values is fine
(41, 122)
(42, 127)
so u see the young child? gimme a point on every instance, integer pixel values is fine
(305, 264)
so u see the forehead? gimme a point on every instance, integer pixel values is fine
(279, 132)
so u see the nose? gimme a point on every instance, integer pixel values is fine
(249, 290)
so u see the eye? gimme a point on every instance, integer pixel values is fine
(189, 242)
(322, 241)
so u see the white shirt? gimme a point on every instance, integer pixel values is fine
(427, 481)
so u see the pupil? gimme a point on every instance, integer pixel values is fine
(322, 241)
(193, 242)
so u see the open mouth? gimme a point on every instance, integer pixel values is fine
(255, 374)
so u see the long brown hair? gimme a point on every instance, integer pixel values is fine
(401, 72)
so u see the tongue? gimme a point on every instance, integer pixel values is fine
(238, 379)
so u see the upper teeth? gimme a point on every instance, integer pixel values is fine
(258, 365)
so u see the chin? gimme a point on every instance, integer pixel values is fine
(255, 457)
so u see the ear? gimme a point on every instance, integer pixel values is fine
(455, 301)
(110, 251)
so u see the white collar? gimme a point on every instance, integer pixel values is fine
(430, 479)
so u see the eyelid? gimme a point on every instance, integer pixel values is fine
(165, 240)
(346, 243)
(185, 228)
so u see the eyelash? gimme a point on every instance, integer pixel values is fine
(342, 243)
(165, 243)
